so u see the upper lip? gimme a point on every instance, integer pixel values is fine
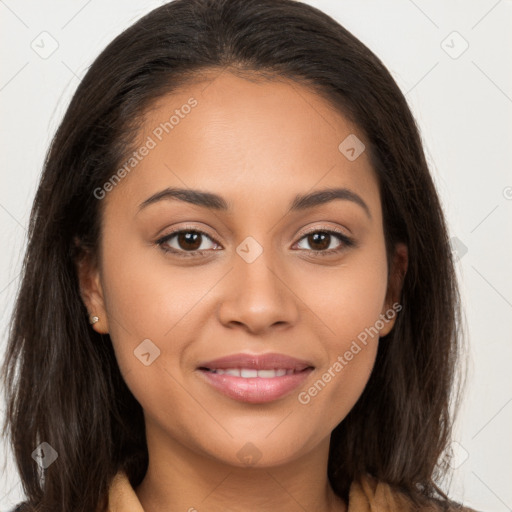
(269, 361)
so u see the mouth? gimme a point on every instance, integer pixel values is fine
(255, 378)
(250, 373)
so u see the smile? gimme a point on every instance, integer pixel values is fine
(249, 373)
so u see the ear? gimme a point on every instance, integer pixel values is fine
(91, 289)
(395, 283)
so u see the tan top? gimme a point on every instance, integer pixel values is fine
(368, 495)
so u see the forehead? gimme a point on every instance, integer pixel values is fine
(242, 138)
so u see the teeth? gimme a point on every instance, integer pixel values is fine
(268, 374)
(249, 373)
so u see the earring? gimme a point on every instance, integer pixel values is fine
(93, 319)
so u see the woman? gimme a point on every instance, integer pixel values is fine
(238, 286)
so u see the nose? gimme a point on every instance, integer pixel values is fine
(258, 296)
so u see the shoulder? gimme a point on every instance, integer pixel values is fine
(369, 493)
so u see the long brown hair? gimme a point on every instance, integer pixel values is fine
(63, 385)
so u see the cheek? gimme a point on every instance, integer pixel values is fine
(350, 298)
(144, 300)
(349, 304)
(151, 311)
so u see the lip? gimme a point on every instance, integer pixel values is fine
(256, 389)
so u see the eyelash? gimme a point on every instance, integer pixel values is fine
(346, 242)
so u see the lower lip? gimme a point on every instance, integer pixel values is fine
(256, 390)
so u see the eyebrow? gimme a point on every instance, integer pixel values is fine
(216, 202)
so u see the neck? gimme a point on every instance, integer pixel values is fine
(181, 479)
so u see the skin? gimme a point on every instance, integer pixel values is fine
(257, 144)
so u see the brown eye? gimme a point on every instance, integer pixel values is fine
(186, 241)
(320, 242)
(189, 240)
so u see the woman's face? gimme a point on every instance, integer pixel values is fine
(267, 277)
